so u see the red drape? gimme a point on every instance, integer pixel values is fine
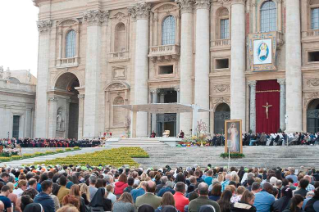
(267, 91)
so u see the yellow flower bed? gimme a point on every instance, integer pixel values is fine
(113, 157)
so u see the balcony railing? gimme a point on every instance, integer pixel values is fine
(313, 33)
(119, 56)
(6, 85)
(220, 44)
(68, 62)
(164, 52)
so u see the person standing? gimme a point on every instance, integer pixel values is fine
(44, 197)
(180, 200)
(5, 191)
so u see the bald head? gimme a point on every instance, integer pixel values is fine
(203, 189)
(150, 186)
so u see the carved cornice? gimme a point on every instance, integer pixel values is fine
(203, 4)
(238, 1)
(44, 26)
(186, 6)
(96, 16)
(140, 10)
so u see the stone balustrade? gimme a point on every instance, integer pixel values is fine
(68, 62)
(312, 33)
(7, 85)
(157, 52)
(119, 56)
(220, 44)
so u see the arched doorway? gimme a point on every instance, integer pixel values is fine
(221, 114)
(313, 116)
(67, 106)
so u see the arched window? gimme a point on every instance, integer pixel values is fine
(70, 44)
(120, 38)
(268, 17)
(168, 31)
(315, 18)
(223, 18)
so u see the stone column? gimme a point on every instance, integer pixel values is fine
(81, 115)
(94, 19)
(28, 123)
(43, 76)
(293, 67)
(252, 117)
(238, 99)
(202, 58)
(282, 103)
(141, 10)
(52, 117)
(178, 114)
(186, 61)
(154, 100)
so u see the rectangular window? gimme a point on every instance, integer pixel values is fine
(16, 126)
(313, 56)
(224, 29)
(222, 63)
(166, 70)
(315, 18)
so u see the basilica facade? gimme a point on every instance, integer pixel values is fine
(254, 60)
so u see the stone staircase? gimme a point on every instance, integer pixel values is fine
(256, 156)
(136, 142)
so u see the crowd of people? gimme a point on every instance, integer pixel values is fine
(33, 143)
(273, 139)
(192, 189)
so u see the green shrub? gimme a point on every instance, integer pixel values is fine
(232, 155)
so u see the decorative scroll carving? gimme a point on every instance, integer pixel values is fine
(140, 10)
(313, 82)
(202, 4)
(44, 26)
(96, 16)
(221, 88)
(221, 100)
(308, 97)
(186, 6)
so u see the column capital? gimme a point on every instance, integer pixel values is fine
(281, 81)
(238, 2)
(186, 6)
(203, 4)
(96, 16)
(44, 26)
(140, 10)
(252, 83)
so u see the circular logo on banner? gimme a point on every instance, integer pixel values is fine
(263, 52)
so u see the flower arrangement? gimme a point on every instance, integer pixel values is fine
(232, 155)
(113, 157)
(199, 139)
(8, 152)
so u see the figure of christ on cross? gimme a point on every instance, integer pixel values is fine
(267, 106)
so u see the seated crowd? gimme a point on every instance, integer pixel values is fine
(273, 139)
(86, 189)
(33, 143)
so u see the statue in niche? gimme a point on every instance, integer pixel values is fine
(60, 121)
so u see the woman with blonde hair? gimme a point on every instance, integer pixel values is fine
(124, 203)
(22, 186)
(75, 191)
(234, 177)
(85, 193)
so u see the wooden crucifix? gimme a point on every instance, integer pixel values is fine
(267, 106)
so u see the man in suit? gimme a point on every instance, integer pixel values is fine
(195, 204)
(149, 197)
